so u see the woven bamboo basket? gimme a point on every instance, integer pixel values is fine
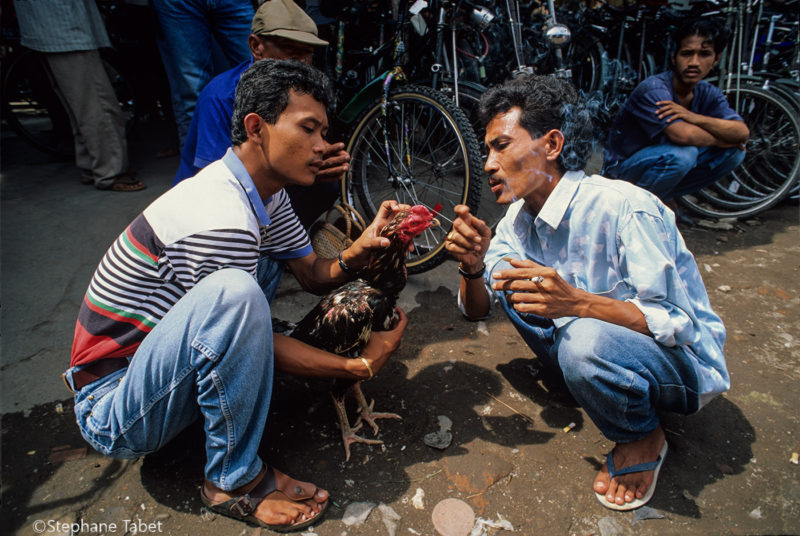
(328, 239)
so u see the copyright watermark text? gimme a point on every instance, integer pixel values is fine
(130, 526)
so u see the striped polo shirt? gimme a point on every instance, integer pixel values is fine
(215, 220)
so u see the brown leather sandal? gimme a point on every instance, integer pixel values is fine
(244, 506)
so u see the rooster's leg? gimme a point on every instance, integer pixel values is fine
(365, 412)
(349, 434)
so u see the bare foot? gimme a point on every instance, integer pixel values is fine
(291, 503)
(625, 488)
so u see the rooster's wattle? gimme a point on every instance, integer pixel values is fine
(343, 320)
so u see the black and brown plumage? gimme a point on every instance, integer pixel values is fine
(342, 321)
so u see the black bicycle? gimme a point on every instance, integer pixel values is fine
(406, 141)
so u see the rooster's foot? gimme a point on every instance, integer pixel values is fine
(349, 435)
(365, 412)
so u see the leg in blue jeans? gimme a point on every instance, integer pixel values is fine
(657, 168)
(622, 377)
(185, 42)
(712, 164)
(210, 356)
(670, 171)
(619, 377)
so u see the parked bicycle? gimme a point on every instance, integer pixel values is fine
(407, 142)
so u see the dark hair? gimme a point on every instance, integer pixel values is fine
(711, 29)
(264, 89)
(547, 103)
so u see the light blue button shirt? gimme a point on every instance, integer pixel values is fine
(613, 239)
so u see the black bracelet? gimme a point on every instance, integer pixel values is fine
(467, 275)
(346, 269)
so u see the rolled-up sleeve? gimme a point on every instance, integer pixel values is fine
(659, 291)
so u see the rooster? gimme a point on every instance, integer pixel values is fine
(342, 321)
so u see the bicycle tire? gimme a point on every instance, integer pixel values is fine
(469, 96)
(771, 167)
(588, 64)
(444, 164)
(784, 88)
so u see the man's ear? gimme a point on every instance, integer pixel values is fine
(252, 125)
(256, 47)
(554, 144)
(717, 57)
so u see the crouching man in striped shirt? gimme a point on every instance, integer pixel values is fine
(175, 324)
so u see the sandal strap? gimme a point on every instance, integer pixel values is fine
(638, 468)
(244, 505)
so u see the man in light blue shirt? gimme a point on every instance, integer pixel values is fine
(595, 276)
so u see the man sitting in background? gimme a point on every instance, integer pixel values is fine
(677, 134)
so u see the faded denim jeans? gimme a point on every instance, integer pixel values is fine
(671, 171)
(198, 40)
(620, 377)
(211, 356)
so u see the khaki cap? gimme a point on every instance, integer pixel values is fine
(284, 18)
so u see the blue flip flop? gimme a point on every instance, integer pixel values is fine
(638, 468)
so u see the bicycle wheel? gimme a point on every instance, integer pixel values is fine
(32, 108)
(771, 166)
(786, 89)
(587, 61)
(434, 158)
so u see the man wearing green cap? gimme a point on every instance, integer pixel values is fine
(280, 30)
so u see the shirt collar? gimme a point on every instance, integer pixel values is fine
(240, 173)
(556, 204)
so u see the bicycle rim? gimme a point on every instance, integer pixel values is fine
(588, 65)
(434, 156)
(771, 165)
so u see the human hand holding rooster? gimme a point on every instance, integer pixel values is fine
(382, 343)
(358, 254)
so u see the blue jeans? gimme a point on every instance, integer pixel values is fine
(620, 377)
(670, 171)
(191, 31)
(269, 276)
(211, 356)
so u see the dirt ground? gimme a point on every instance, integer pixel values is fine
(727, 471)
